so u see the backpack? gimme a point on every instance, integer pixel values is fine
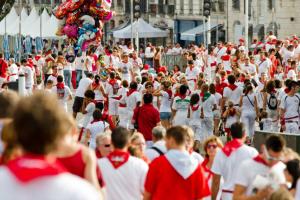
(272, 102)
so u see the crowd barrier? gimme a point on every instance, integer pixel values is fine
(292, 140)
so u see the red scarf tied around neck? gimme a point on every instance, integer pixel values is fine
(117, 158)
(232, 86)
(260, 160)
(232, 146)
(31, 167)
(130, 92)
(195, 107)
(60, 86)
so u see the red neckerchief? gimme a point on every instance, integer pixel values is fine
(169, 93)
(232, 113)
(30, 167)
(232, 146)
(260, 160)
(194, 108)
(107, 52)
(98, 154)
(206, 169)
(286, 90)
(30, 62)
(182, 96)
(225, 57)
(60, 85)
(95, 85)
(55, 75)
(37, 57)
(112, 82)
(131, 91)
(242, 79)
(117, 158)
(232, 86)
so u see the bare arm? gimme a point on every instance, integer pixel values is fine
(147, 196)
(215, 186)
(240, 193)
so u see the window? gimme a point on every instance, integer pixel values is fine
(161, 7)
(236, 4)
(190, 6)
(181, 6)
(214, 6)
(270, 4)
(221, 5)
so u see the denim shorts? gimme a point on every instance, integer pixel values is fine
(165, 115)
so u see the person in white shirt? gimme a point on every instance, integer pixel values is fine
(249, 68)
(180, 107)
(88, 62)
(37, 174)
(231, 93)
(263, 65)
(258, 177)
(84, 84)
(63, 92)
(219, 51)
(192, 74)
(149, 54)
(95, 128)
(158, 148)
(132, 99)
(289, 109)
(137, 63)
(249, 109)
(13, 71)
(29, 73)
(228, 160)
(123, 174)
(125, 67)
(177, 50)
(79, 66)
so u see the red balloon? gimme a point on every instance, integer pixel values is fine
(73, 16)
(68, 6)
(100, 12)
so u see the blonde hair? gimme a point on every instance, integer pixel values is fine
(212, 139)
(281, 194)
(135, 136)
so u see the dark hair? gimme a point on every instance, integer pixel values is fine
(183, 89)
(270, 86)
(277, 83)
(178, 133)
(194, 99)
(275, 143)
(133, 85)
(231, 79)
(90, 75)
(97, 114)
(292, 84)
(37, 132)
(293, 168)
(287, 82)
(89, 94)
(247, 88)
(97, 79)
(112, 75)
(23, 61)
(60, 53)
(1, 55)
(212, 88)
(237, 130)
(60, 79)
(120, 137)
(125, 83)
(147, 98)
(8, 101)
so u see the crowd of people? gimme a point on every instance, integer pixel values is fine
(148, 131)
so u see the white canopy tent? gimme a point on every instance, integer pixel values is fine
(142, 28)
(29, 23)
(39, 26)
(9, 20)
(13, 27)
(192, 33)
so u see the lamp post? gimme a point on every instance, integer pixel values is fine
(246, 23)
(131, 19)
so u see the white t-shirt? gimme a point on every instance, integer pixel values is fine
(79, 63)
(292, 75)
(96, 128)
(63, 100)
(208, 105)
(125, 182)
(227, 166)
(219, 53)
(233, 95)
(192, 74)
(60, 187)
(166, 101)
(29, 76)
(13, 70)
(87, 118)
(125, 70)
(250, 68)
(246, 177)
(263, 67)
(248, 103)
(132, 100)
(291, 107)
(151, 154)
(83, 85)
(90, 61)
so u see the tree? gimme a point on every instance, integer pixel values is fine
(5, 7)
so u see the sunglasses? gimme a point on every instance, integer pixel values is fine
(107, 145)
(214, 146)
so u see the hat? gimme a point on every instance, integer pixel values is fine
(163, 69)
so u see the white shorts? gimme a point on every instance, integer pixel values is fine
(113, 106)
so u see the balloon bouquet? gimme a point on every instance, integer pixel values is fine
(82, 21)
